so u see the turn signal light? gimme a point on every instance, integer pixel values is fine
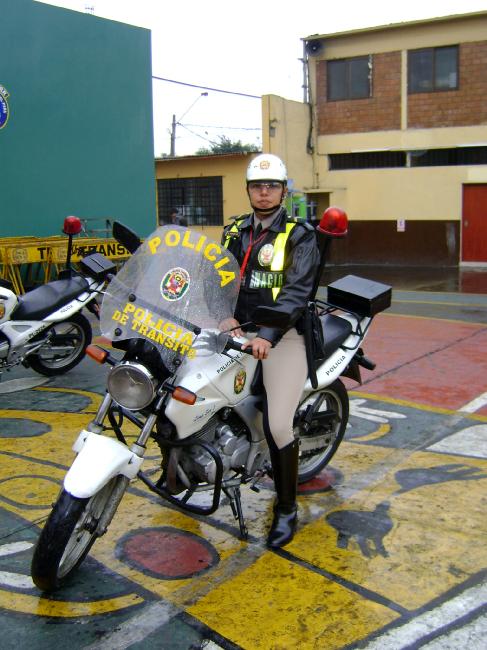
(97, 354)
(334, 222)
(181, 394)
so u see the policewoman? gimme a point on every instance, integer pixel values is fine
(278, 259)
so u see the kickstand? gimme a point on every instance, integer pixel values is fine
(233, 493)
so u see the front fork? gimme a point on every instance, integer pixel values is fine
(101, 458)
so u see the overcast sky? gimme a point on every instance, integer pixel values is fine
(245, 46)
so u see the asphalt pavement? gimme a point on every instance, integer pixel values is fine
(390, 551)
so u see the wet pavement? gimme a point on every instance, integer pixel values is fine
(447, 279)
(390, 551)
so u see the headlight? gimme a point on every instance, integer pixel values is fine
(131, 385)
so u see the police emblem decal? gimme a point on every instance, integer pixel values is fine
(239, 381)
(266, 254)
(175, 284)
(264, 164)
(4, 109)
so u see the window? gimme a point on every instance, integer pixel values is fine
(424, 158)
(433, 69)
(198, 200)
(442, 157)
(349, 78)
(367, 160)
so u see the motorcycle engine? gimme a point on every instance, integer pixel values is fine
(230, 442)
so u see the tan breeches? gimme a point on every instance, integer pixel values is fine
(284, 373)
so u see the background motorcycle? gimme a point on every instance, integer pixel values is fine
(192, 390)
(45, 329)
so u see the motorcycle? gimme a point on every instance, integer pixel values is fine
(192, 390)
(45, 329)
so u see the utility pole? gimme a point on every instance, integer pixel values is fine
(176, 122)
(173, 137)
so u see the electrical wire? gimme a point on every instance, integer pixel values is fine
(215, 90)
(234, 128)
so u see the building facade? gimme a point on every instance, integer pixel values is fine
(75, 121)
(394, 130)
(205, 190)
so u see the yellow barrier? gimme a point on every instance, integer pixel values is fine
(49, 253)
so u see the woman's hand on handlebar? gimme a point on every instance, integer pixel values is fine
(228, 324)
(260, 347)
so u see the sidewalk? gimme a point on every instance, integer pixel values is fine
(424, 278)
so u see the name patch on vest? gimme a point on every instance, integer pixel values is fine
(266, 280)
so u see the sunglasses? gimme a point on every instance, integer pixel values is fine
(270, 185)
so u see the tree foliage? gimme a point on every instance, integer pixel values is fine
(225, 145)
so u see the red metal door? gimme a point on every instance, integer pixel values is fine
(474, 223)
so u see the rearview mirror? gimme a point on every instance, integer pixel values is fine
(126, 236)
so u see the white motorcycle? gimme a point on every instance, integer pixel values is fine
(190, 388)
(45, 329)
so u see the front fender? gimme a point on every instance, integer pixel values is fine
(99, 459)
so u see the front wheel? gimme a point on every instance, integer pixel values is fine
(70, 531)
(320, 423)
(64, 347)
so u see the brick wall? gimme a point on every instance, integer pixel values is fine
(382, 112)
(466, 106)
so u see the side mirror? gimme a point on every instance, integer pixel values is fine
(72, 226)
(125, 236)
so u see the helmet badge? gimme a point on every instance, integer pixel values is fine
(264, 164)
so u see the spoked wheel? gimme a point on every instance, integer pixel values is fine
(329, 410)
(64, 348)
(69, 533)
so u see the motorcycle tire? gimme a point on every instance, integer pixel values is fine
(68, 535)
(72, 337)
(336, 401)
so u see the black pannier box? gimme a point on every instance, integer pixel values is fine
(98, 266)
(359, 295)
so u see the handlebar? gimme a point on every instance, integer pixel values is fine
(232, 344)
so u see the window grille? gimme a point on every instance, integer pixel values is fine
(456, 156)
(423, 158)
(198, 200)
(367, 160)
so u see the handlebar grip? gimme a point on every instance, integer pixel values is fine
(231, 344)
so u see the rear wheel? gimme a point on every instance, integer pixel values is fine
(64, 348)
(328, 411)
(69, 533)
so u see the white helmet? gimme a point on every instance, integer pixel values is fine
(267, 167)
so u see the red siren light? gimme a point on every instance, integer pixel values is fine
(334, 222)
(72, 226)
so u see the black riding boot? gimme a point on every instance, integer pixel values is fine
(285, 470)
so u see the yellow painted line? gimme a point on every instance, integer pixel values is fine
(42, 606)
(276, 603)
(375, 435)
(419, 407)
(431, 537)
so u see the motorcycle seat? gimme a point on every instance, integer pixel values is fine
(40, 302)
(335, 331)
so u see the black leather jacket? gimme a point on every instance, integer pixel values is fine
(301, 261)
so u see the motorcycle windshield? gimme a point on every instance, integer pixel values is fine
(177, 283)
